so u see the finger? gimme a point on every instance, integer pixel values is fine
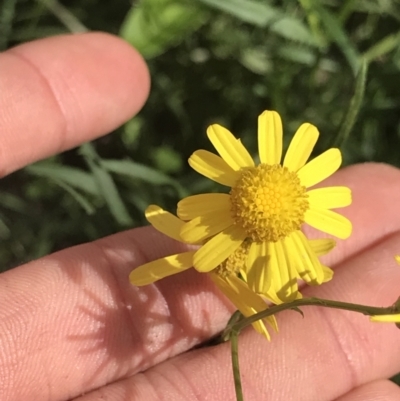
(139, 388)
(381, 390)
(59, 92)
(78, 306)
(323, 356)
(374, 196)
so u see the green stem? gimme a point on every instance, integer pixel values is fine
(65, 16)
(235, 318)
(325, 303)
(235, 326)
(234, 336)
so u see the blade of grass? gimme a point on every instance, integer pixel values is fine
(5, 231)
(72, 176)
(338, 35)
(106, 185)
(346, 9)
(142, 172)
(354, 107)
(64, 16)
(14, 203)
(384, 46)
(81, 200)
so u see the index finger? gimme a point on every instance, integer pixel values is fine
(58, 92)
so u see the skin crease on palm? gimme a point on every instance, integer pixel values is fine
(73, 327)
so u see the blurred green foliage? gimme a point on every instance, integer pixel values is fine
(210, 61)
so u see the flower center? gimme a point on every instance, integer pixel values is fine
(235, 261)
(269, 202)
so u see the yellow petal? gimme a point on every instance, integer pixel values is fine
(397, 259)
(249, 299)
(328, 273)
(303, 259)
(245, 300)
(229, 148)
(287, 289)
(213, 167)
(218, 249)
(160, 268)
(198, 205)
(257, 268)
(320, 168)
(270, 137)
(207, 225)
(386, 318)
(272, 296)
(164, 222)
(282, 275)
(322, 246)
(330, 197)
(329, 222)
(301, 146)
(243, 274)
(269, 274)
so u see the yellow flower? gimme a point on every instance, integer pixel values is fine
(265, 209)
(234, 288)
(249, 240)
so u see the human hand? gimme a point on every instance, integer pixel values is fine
(73, 327)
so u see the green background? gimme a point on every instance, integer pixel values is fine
(210, 61)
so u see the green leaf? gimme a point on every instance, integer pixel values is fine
(152, 26)
(338, 35)
(346, 8)
(142, 172)
(298, 310)
(354, 107)
(14, 203)
(86, 205)
(7, 14)
(5, 231)
(106, 185)
(313, 21)
(384, 46)
(167, 159)
(249, 11)
(263, 15)
(298, 54)
(70, 175)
